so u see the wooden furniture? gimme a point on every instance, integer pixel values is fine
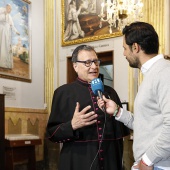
(19, 149)
(2, 132)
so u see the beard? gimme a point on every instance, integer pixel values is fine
(134, 63)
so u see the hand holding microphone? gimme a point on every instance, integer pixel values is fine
(107, 105)
(111, 107)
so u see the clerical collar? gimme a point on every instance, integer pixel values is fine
(85, 83)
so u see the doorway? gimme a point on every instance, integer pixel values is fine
(106, 57)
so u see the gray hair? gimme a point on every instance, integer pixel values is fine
(80, 48)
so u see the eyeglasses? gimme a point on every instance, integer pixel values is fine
(88, 63)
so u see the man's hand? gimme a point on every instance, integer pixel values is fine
(109, 104)
(83, 118)
(142, 166)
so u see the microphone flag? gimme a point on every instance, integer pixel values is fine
(97, 87)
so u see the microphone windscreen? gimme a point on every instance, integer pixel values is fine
(97, 85)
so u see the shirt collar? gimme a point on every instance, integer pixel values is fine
(147, 65)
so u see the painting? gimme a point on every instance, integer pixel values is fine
(15, 40)
(81, 22)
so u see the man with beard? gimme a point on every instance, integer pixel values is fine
(151, 119)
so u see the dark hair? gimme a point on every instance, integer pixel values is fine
(80, 48)
(143, 34)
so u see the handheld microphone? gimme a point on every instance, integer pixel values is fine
(98, 88)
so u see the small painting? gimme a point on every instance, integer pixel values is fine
(15, 40)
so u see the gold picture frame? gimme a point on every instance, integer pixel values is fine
(80, 22)
(15, 42)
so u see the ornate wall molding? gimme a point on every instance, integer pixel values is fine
(27, 121)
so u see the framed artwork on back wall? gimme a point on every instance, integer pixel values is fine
(81, 22)
(15, 40)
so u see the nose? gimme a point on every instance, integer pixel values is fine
(93, 65)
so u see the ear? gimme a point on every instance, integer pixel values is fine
(75, 67)
(135, 47)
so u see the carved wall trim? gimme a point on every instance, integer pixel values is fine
(27, 121)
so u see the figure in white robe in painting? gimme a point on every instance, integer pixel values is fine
(6, 28)
(73, 30)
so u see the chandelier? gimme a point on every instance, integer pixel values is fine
(119, 13)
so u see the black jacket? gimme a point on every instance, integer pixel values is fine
(81, 146)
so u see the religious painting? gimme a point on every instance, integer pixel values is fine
(81, 22)
(15, 40)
